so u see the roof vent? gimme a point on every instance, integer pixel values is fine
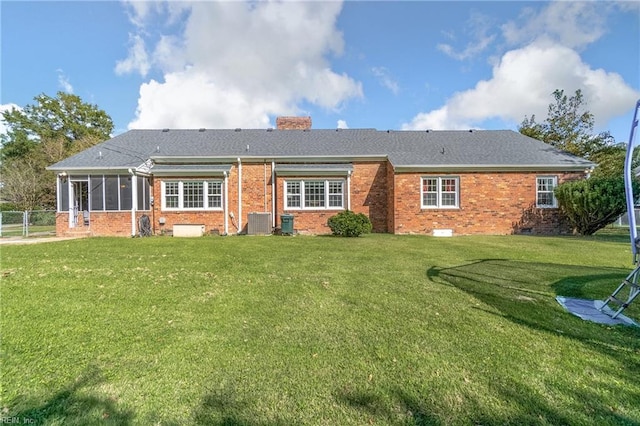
(202, 129)
(470, 130)
(238, 129)
(165, 130)
(99, 154)
(157, 148)
(427, 130)
(270, 129)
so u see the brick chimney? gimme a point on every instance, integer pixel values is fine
(293, 123)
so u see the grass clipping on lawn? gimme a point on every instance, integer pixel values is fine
(315, 330)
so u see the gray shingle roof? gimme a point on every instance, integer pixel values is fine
(404, 149)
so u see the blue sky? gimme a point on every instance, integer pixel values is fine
(386, 65)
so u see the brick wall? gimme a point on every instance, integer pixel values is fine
(490, 203)
(101, 223)
(254, 199)
(213, 220)
(391, 198)
(256, 190)
(369, 193)
(293, 123)
(368, 196)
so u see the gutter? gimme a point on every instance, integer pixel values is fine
(194, 159)
(495, 168)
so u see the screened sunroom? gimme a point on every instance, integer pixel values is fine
(84, 195)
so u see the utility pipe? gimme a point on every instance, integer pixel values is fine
(226, 203)
(273, 194)
(239, 195)
(349, 190)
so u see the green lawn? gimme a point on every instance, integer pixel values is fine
(380, 329)
(34, 230)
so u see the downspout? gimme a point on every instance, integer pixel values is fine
(134, 201)
(349, 190)
(226, 203)
(273, 194)
(239, 195)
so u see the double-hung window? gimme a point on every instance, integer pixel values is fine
(545, 186)
(314, 194)
(440, 192)
(192, 195)
(171, 195)
(214, 194)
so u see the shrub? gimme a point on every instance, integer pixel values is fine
(349, 224)
(592, 204)
(44, 218)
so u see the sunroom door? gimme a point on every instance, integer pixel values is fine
(80, 196)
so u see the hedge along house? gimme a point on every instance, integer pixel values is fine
(243, 181)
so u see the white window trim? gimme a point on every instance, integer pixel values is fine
(439, 192)
(205, 195)
(554, 204)
(326, 194)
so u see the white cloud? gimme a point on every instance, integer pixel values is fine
(479, 28)
(63, 81)
(574, 24)
(385, 79)
(546, 58)
(137, 60)
(235, 64)
(522, 84)
(3, 108)
(342, 124)
(190, 99)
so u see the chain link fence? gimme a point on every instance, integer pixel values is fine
(624, 219)
(36, 223)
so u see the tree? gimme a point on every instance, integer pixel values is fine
(40, 135)
(592, 204)
(568, 126)
(65, 117)
(610, 161)
(23, 185)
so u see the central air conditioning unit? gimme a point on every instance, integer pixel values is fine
(259, 224)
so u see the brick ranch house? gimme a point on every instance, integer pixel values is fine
(243, 181)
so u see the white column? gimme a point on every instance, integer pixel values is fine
(73, 216)
(134, 202)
